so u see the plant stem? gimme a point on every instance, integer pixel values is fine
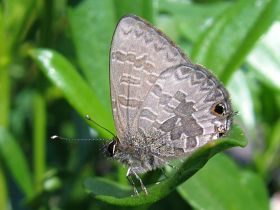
(4, 122)
(39, 135)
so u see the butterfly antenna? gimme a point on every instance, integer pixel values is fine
(55, 137)
(88, 118)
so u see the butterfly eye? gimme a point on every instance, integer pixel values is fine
(220, 135)
(218, 109)
(111, 148)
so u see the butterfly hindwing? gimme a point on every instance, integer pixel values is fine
(178, 109)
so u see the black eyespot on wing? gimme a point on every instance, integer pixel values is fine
(218, 109)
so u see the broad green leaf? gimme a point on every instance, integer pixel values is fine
(143, 8)
(77, 92)
(191, 19)
(221, 184)
(15, 161)
(114, 193)
(265, 58)
(92, 25)
(224, 46)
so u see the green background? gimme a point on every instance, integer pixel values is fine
(54, 58)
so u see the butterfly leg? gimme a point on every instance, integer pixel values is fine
(141, 182)
(129, 178)
(173, 166)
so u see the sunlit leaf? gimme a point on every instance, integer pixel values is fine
(75, 89)
(242, 99)
(221, 184)
(223, 47)
(265, 58)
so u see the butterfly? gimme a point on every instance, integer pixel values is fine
(164, 106)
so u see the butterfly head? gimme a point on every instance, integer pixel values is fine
(110, 149)
(224, 115)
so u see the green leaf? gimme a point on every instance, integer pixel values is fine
(265, 58)
(221, 184)
(224, 46)
(92, 25)
(120, 195)
(242, 95)
(142, 8)
(192, 19)
(14, 160)
(77, 92)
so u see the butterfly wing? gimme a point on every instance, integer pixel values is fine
(186, 108)
(139, 54)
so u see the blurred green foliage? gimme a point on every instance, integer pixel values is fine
(54, 58)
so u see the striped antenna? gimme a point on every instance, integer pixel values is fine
(55, 137)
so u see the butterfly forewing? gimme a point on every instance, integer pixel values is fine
(139, 54)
